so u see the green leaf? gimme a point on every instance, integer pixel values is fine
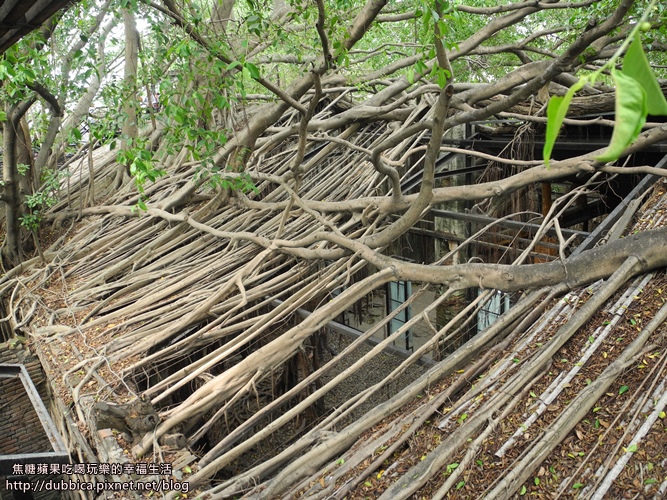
(253, 70)
(635, 65)
(233, 65)
(3, 116)
(623, 390)
(631, 114)
(523, 490)
(632, 448)
(556, 111)
(442, 77)
(577, 486)
(29, 74)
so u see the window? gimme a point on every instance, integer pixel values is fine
(497, 305)
(397, 293)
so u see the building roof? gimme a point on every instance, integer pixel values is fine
(571, 402)
(20, 17)
(208, 328)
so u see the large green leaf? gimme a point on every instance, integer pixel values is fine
(556, 111)
(636, 66)
(630, 112)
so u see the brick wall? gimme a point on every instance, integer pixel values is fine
(20, 428)
(22, 356)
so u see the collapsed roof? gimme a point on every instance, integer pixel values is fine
(225, 337)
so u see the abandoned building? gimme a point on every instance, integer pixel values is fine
(406, 355)
(239, 343)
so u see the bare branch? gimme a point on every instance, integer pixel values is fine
(319, 25)
(521, 5)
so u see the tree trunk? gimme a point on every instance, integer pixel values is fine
(29, 181)
(47, 145)
(10, 177)
(10, 174)
(130, 129)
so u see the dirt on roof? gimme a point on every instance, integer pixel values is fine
(547, 417)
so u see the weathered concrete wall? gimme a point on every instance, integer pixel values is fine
(452, 226)
(457, 228)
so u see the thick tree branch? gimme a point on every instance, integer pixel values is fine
(362, 22)
(319, 26)
(48, 97)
